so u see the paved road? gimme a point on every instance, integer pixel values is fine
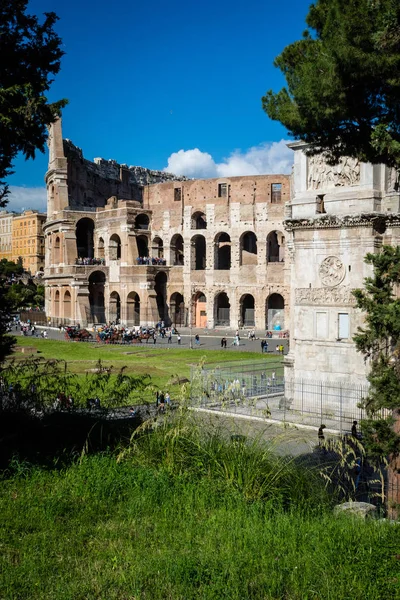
(209, 340)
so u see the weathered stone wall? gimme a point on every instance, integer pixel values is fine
(216, 247)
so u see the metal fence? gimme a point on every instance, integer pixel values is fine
(259, 389)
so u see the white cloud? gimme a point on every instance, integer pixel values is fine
(24, 198)
(270, 157)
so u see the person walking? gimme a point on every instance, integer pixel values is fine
(170, 337)
(179, 339)
(197, 339)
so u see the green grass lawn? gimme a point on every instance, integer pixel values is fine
(102, 530)
(162, 364)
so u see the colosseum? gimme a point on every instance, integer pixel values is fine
(133, 246)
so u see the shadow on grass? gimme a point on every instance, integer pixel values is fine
(59, 437)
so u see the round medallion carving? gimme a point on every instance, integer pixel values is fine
(331, 271)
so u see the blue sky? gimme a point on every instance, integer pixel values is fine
(174, 85)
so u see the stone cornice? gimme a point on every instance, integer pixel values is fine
(336, 222)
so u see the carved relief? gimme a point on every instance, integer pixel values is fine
(324, 176)
(340, 296)
(331, 271)
(392, 180)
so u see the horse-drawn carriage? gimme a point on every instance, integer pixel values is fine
(77, 335)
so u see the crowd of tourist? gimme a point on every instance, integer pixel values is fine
(147, 260)
(86, 261)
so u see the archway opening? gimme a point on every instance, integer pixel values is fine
(160, 288)
(97, 281)
(199, 315)
(222, 310)
(177, 309)
(142, 246)
(199, 220)
(198, 248)
(157, 248)
(177, 253)
(248, 249)
(133, 309)
(275, 247)
(67, 305)
(57, 304)
(247, 317)
(222, 258)
(275, 313)
(142, 221)
(115, 247)
(84, 238)
(115, 308)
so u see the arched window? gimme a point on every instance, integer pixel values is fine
(157, 248)
(133, 309)
(142, 221)
(275, 247)
(275, 313)
(222, 310)
(198, 253)
(57, 251)
(142, 245)
(199, 220)
(247, 318)
(84, 238)
(248, 249)
(222, 256)
(115, 247)
(177, 254)
(57, 304)
(67, 305)
(115, 308)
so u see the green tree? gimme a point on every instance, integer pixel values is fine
(30, 55)
(379, 341)
(343, 81)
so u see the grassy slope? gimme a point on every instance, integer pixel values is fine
(107, 531)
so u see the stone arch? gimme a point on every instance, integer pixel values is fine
(57, 303)
(97, 281)
(275, 247)
(67, 305)
(199, 220)
(114, 247)
(248, 248)
(275, 312)
(247, 311)
(100, 248)
(142, 221)
(222, 252)
(114, 310)
(160, 289)
(142, 245)
(199, 310)
(157, 248)
(177, 250)
(198, 253)
(84, 238)
(133, 309)
(222, 309)
(177, 309)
